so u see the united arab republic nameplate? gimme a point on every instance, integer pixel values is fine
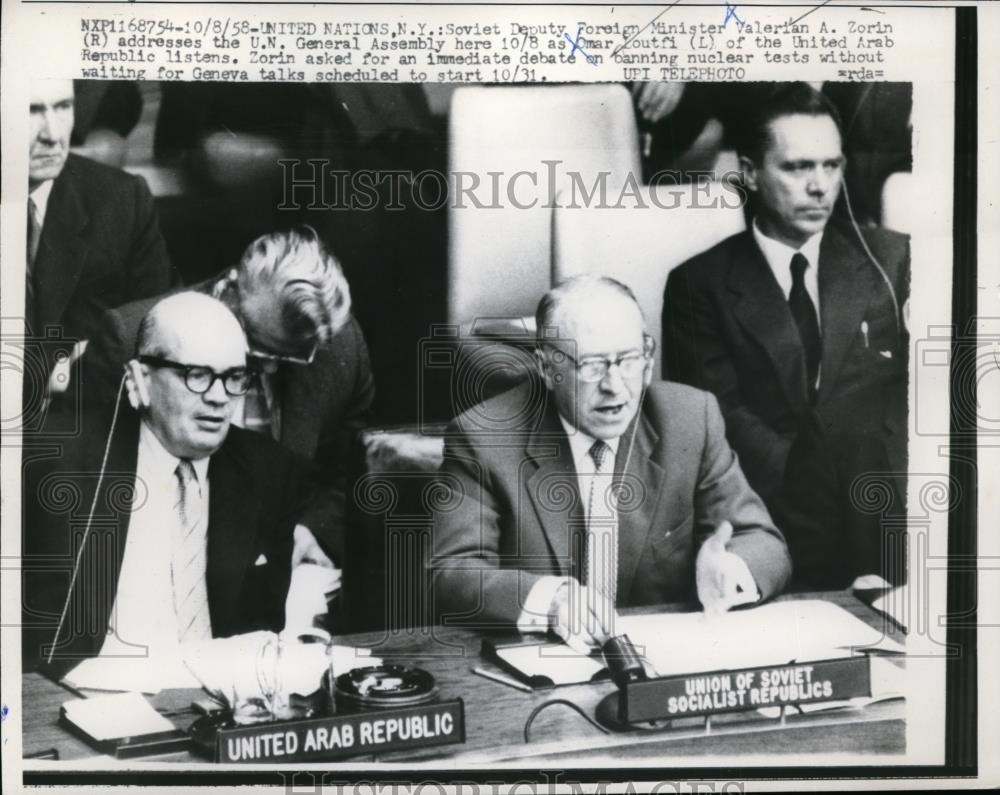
(341, 736)
(745, 689)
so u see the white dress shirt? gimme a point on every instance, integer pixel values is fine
(779, 258)
(40, 196)
(143, 622)
(535, 612)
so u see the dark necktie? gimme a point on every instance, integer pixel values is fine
(33, 238)
(804, 313)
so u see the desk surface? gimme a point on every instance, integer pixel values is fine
(496, 713)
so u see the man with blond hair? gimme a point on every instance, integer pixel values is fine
(190, 525)
(314, 385)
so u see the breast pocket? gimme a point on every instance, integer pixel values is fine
(678, 536)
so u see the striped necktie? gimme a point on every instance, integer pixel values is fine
(601, 558)
(188, 564)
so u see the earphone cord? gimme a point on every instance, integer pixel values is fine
(635, 427)
(876, 263)
(566, 703)
(90, 519)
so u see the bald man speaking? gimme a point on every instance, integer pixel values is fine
(179, 527)
(595, 489)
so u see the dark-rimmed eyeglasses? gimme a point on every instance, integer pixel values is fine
(199, 379)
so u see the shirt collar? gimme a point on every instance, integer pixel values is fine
(156, 461)
(40, 196)
(779, 255)
(580, 442)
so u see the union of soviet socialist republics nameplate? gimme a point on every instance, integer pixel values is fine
(746, 689)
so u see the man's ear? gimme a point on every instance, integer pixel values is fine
(135, 385)
(749, 173)
(647, 372)
(543, 368)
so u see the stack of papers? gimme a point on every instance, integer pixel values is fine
(113, 717)
(773, 634)
(131, 674)
(896, 605)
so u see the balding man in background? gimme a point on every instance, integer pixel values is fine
(93, 241)
(182, 526)
(599, 491)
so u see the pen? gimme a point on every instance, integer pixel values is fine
(504, 680)
(864, 331)
(48, 753)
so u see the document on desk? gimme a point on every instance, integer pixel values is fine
(772, 634)
(548, 664)
(119, 715)
(895, 604)
(132, 674)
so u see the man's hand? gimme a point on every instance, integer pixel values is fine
(582, 617)
(308, 550)
(723, 579)
(657, 100)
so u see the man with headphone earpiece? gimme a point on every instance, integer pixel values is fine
(796, 326)
(182, 528)
(604, 490)
(313, 388)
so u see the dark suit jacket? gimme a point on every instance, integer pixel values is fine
(100, 247)
(323, 405)
(252, 511)
(727, 328)
(513, 505)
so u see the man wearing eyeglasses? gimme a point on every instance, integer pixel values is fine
(183, 526)
(599, 491)
(312, 388)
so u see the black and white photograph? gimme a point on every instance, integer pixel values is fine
(366, 427)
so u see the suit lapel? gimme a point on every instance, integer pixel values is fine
(300, 389)
(62, 250)
(553, 489)
(761, 308)
(232, 510)
(96, 584)
(638, 498)
(846, 286)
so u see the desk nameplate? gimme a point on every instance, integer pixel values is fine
(745, 689)
(341, 736)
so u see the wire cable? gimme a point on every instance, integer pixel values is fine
(877, 264)
(566, 703)
(90, 520)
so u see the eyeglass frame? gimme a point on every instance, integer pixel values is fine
(230, 282)
(267, 356)
(186, 369)
(645, 355)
